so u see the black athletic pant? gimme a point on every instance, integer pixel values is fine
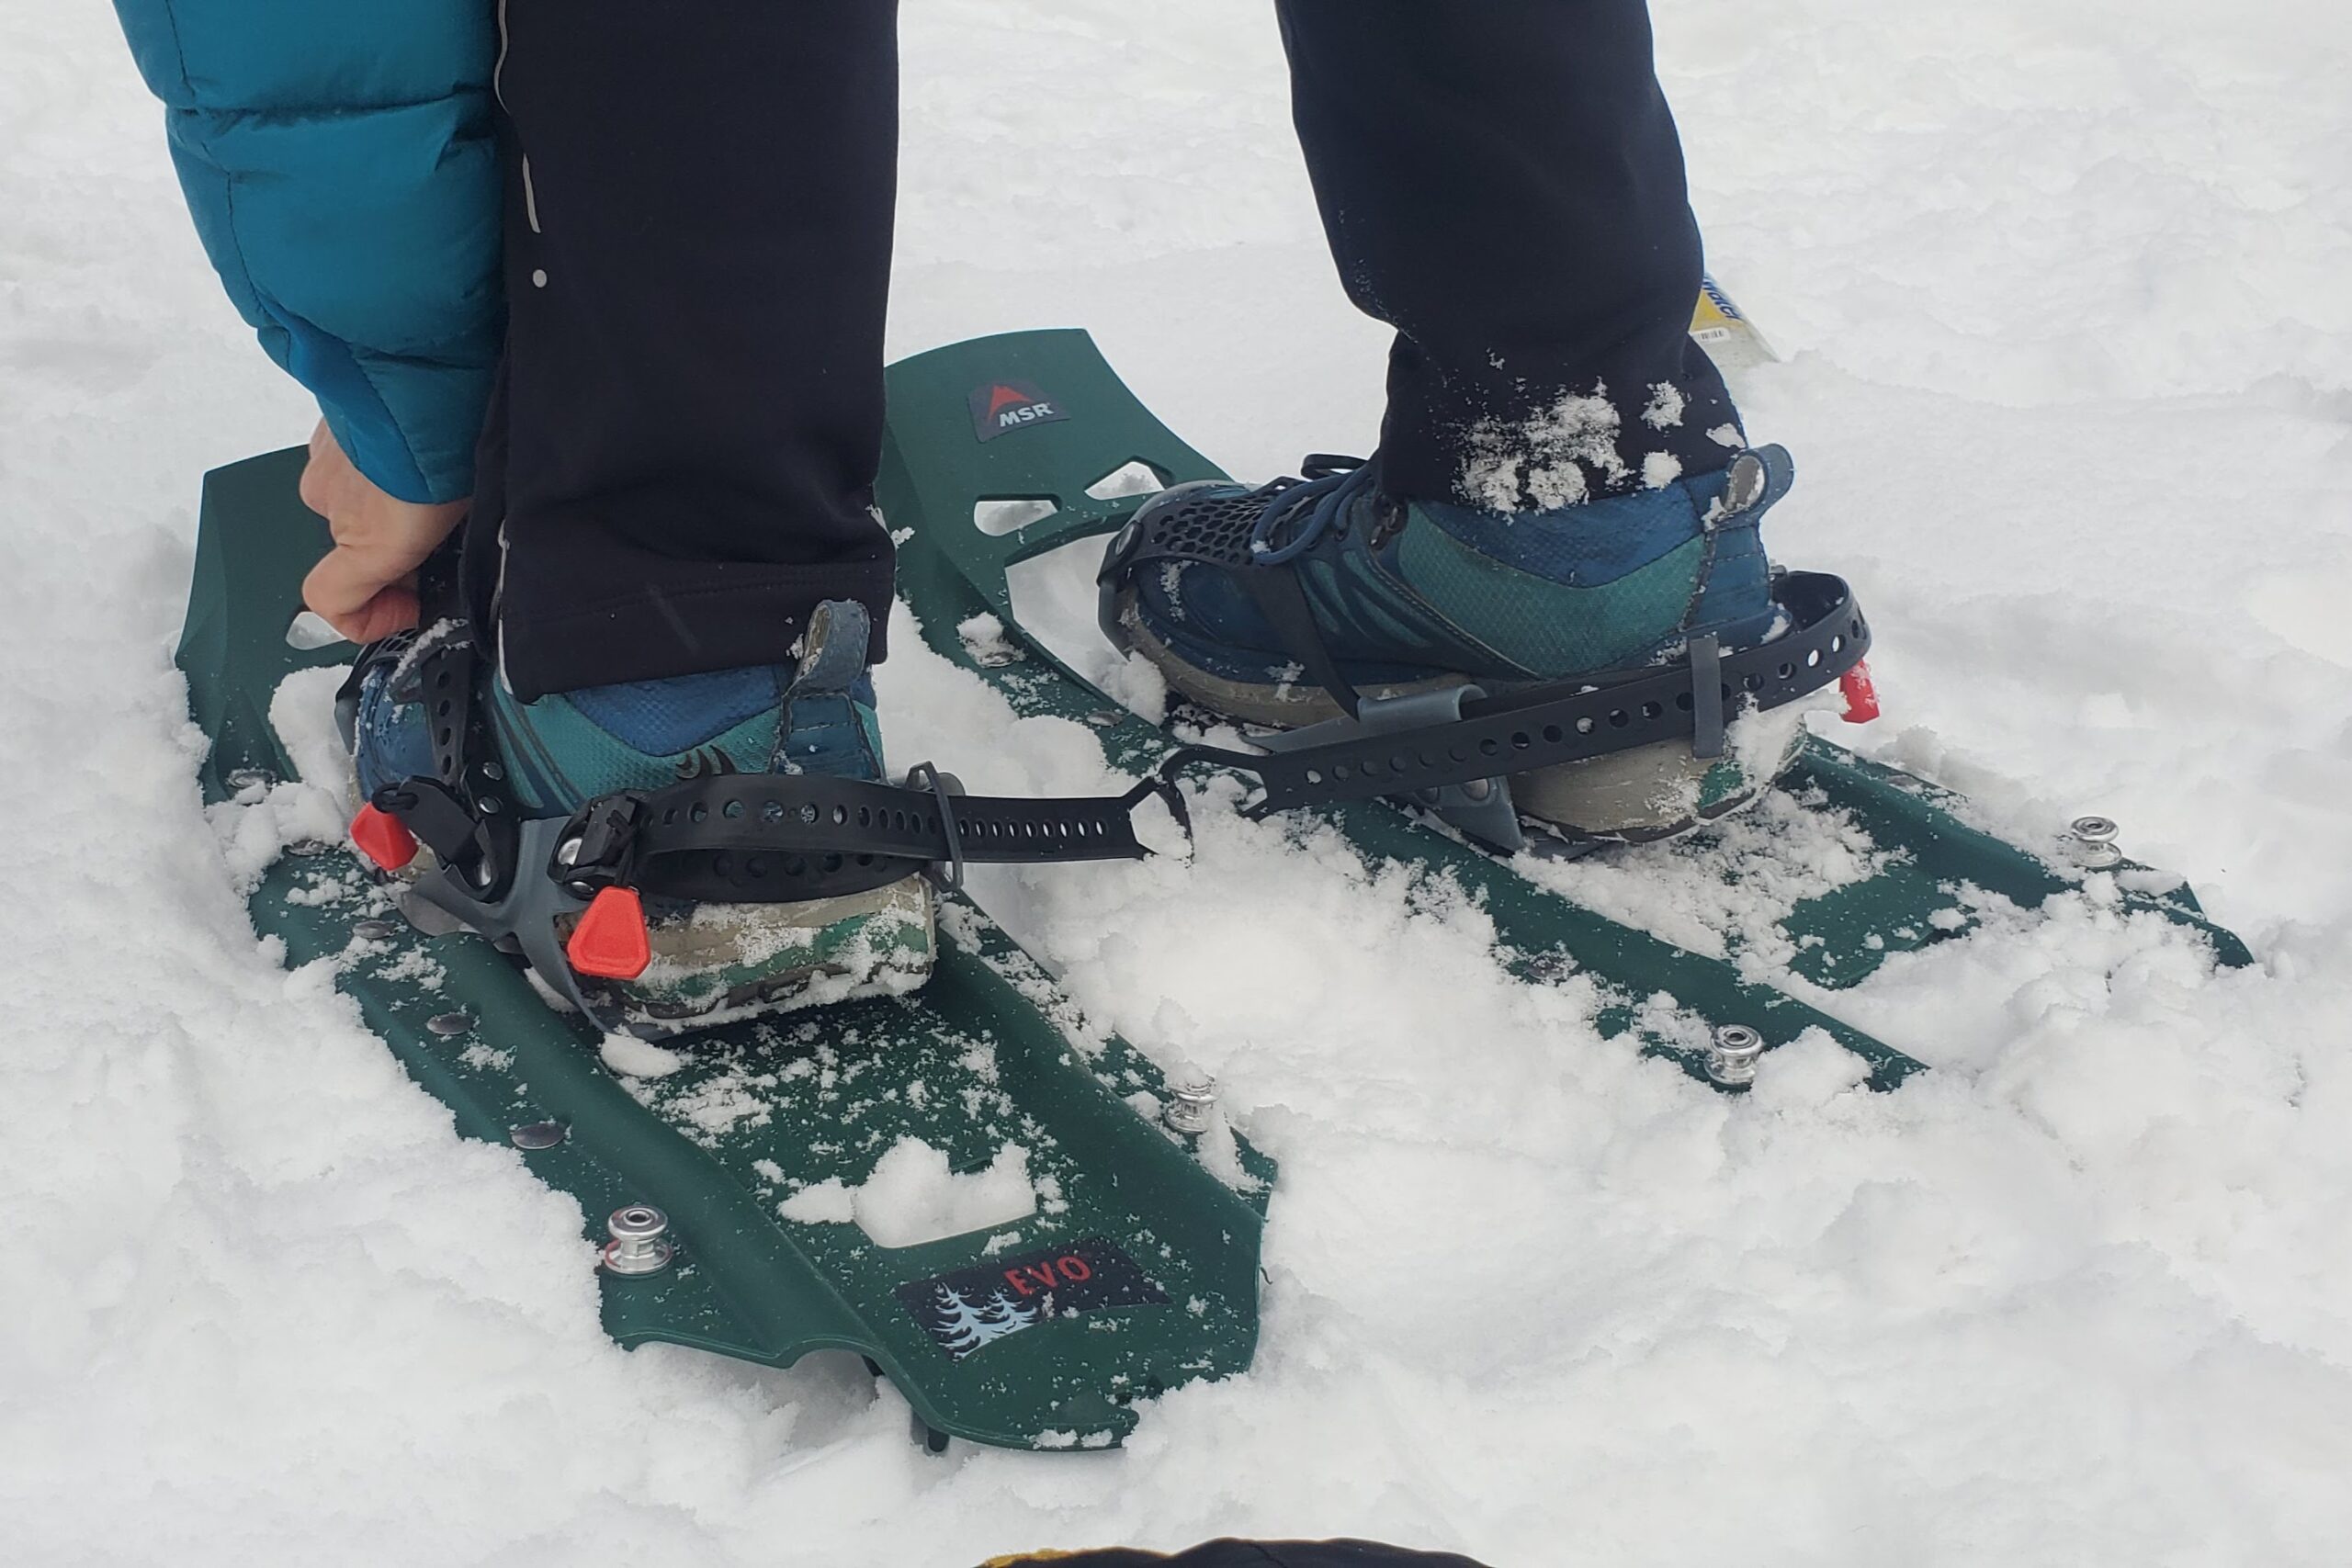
(679, 462)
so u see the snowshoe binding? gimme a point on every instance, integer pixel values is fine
(1651, 655)
(676, 855)
(653, 962)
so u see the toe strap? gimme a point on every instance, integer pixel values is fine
(1257, 536)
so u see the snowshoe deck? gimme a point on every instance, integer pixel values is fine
(1040, 418)
(1133, 1233)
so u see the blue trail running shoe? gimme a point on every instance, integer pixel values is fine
(1408, 596)
(711, 963)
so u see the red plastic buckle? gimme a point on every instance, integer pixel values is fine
(1860, 693)
(384, 837)
(609, 943)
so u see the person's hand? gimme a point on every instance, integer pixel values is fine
(366, 588)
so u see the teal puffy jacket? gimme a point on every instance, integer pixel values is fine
(340, 160)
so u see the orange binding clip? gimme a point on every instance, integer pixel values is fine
(1860, 693)
(384, 837)
(610, 942)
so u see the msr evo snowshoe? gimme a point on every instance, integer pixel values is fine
(649, 960)
(1326, 603)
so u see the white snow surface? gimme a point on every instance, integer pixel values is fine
(2060, 284)
(911, 1196)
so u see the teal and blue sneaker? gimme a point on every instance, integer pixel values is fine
(711, 963)
(1408, 596)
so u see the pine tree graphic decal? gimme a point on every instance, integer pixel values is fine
(969, 1309)
(964, 1327)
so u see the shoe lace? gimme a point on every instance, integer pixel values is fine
(1297, 511)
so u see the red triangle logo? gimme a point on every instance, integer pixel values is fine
(1002, 397)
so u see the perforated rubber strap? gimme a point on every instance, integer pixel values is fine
(1281, 599)
(1544, 727)
(464, 812)
(772, 839)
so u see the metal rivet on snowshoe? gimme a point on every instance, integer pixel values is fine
(1105, 719)
(242, 779)
(637, 1247)
(1733, 1053)
(446, 1023)
(2093, 842)
(374, 931)
(1192, 1105)
(493, 772)
(538, 1135)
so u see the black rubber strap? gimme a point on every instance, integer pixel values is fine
(1281, 599)
(1545, 726)
(465, 761)
(770, 838)
(924, 776)
(463, 809)
(1708, 695)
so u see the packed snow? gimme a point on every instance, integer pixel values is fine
(911, 1196)
(2068, 374)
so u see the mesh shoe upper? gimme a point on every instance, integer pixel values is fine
(572, 746)
(1405, 590)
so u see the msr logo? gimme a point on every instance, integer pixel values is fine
(1003, 406)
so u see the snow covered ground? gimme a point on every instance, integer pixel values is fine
(2061, 283)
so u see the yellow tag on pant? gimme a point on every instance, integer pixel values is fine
(1724, 330)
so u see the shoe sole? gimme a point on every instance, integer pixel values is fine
(1642, 794)
(718, 963)
(721, 963)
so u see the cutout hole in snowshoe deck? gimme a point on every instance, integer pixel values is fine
(998, 518)
(1135, 476)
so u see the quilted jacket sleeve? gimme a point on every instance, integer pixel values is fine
(339, 160)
